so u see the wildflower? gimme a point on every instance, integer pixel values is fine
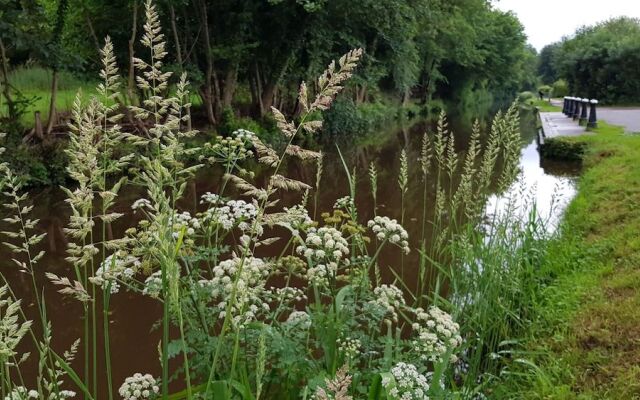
(406, 383)
(114, 268)
(345, 203)
(389, 298)
(436, 334)
(153, 285)
(233, 213)
(349, 347)
(249, 275)
(184, 221)
(299, 319)
(139, 386)
(325, 248)
(389, 229)
(21, 393)
(210, 198)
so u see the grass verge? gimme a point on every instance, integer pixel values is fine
(585, 340)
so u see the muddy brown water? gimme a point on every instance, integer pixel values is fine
(133, 336)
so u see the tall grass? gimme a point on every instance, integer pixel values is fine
(331, 327)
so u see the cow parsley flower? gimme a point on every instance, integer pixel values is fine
(389, 298)
(326, 249)
(21, 393)
(251, 275)
(233, 213)
(344, 203)
(184, 221)
(299, 319)
(407, 383)
(153, 285)
(139, 387)
(350, 347)
(115, 268)
(436, 333)
(390, 230)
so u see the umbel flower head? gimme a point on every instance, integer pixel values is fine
(389, 229)
(139, 387)
(405, 383)
(436, 333)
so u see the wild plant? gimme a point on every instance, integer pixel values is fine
(316, 320)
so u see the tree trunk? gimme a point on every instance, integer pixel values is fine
(6, 89)
(38, 126)
(92, 31)
(230, 83)
(52, 103)
(176, 38)
(208, 90)
(132, 73)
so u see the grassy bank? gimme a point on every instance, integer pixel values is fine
(584, 341)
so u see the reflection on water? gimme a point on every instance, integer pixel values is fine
(134, 342)
(549, 186)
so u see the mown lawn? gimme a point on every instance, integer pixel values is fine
(585, 342)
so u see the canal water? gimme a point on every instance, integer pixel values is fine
(134, 335)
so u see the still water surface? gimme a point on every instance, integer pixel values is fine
(134, 339)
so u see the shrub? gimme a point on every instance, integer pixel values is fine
(560, 88)
(562, 149)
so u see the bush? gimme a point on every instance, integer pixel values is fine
(560, 88)
(563, 149)
(524, 96)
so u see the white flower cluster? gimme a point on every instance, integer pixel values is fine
(391, 230)
(62, 395)
(153, 285)
(407, 383)
(296, 219)
(210, 198)
(232, 213)
(349, 346)
(299, 319)
(436, 334)
(325, 248)
(21, 393)
(244, 135)
(138, 387)
(250, 287)
(344, 203)
(390, 298)
(184, 220)
(234, 147)
(287, 295)
(140, 204)
(114, 268)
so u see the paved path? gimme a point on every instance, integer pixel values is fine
(627, 117)
(557, 124)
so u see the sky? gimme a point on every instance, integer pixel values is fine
(547, 21)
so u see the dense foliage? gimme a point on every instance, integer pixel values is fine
(317, 320)
(599, 61)
(250, 54)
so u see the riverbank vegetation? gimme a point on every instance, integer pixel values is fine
(596, 62)
(582, 343)
(258, 299)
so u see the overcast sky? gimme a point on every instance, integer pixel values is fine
(547, 21)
